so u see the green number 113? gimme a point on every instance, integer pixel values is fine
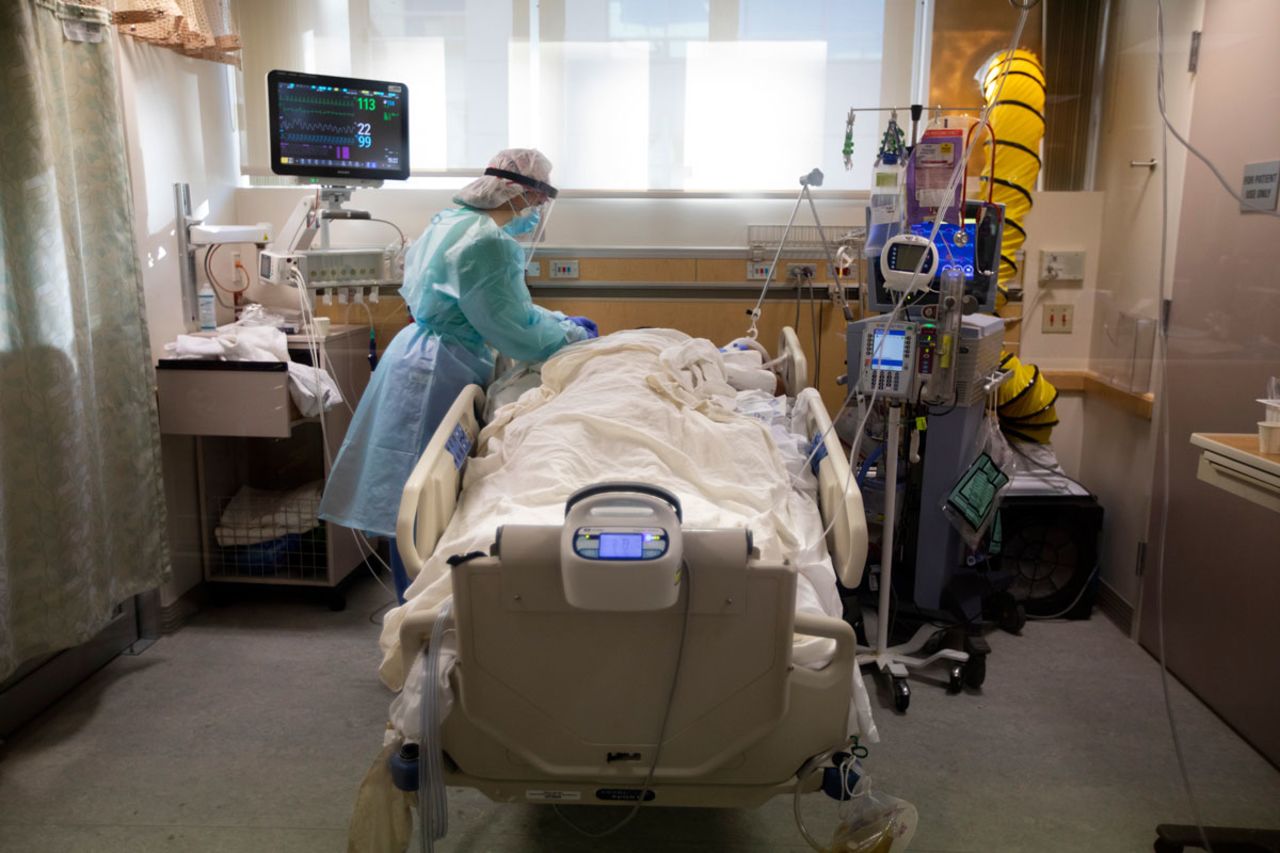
(367, 103)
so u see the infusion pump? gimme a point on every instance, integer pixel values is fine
(886, 358)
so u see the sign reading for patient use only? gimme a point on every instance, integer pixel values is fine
(1259, 189)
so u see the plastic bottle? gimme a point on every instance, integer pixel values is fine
(206, 311)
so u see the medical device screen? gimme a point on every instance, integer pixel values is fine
(338, 127)
(621, 546)
(907, 257)
(889, 350)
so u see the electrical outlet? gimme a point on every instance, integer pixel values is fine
(757, 270)
(1062, 266)
(564, 269)
(1057, 319)
(533, 270)
(796, 272)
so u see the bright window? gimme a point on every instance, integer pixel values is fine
(705, 95)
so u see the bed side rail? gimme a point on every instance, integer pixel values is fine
(838, 498)
(794, 367)
(431, 494)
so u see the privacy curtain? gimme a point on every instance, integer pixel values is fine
(81, 504)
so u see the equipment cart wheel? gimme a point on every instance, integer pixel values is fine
(975, 671)
(1006, 611)
(1014, 619)
(901, 695)
(955, 678)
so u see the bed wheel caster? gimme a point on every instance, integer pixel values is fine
(955, 678)
(901, 695)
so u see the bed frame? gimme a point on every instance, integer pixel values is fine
(745, 719)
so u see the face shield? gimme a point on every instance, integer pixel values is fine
(529, 225)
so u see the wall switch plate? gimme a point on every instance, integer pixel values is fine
(564, 269)
(1061, 266)
(533, 270)
(1057, 319)
(757, 270)
(1261, 181)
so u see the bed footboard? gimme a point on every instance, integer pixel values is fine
(838, 498)
(431, 494)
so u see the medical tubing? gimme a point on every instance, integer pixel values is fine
(795, 811)
(433, 796)
(897, 308)
(1163, 421)
(1253, 206)
(308, 316)
(865, 467)
(813, 765)
(666, 718)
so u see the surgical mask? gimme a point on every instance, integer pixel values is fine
(524, 222)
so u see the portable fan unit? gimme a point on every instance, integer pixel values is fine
(1050, 547)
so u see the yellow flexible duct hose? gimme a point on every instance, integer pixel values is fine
(1017, 122)
(1025, 402)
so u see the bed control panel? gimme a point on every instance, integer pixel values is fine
(620, 543)
(885, 357)
(621, 548)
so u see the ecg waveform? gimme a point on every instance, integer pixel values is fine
(309, 102)
(298, 126)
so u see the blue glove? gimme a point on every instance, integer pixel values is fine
(590, 327)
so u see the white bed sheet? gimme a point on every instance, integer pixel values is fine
(652, 406)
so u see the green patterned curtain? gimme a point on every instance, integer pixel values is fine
(81, 503)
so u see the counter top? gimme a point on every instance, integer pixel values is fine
(1232, 462)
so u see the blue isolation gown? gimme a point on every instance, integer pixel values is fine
(464, 284)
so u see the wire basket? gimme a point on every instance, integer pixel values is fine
(272, 535)
(804, 241)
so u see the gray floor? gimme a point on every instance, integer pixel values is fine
(250, 728)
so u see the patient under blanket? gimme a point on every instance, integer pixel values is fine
(652, 406)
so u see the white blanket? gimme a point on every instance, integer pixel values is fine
(651, 406)
(254, 515)
(312, 388)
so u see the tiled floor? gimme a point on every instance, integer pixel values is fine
(251, 728)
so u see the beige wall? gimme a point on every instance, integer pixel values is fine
(1222, 587)
(178, 128)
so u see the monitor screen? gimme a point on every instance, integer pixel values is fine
(889, 350)
(621, 546)
(338, 127)
(907, 257)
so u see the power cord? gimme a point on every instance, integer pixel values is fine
(662, 732)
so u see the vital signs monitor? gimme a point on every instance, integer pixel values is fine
(338, 127)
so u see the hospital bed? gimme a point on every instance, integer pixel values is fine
(558, 703)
